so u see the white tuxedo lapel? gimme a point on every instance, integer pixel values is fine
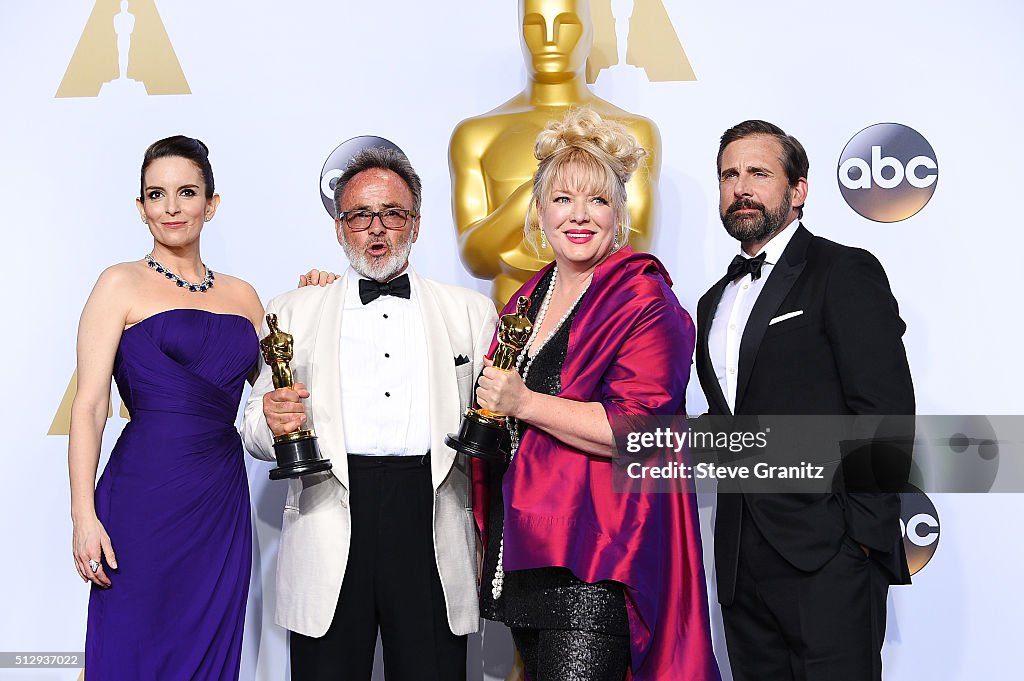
(325, 381)
(443, 386)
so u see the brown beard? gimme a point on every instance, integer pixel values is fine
(745, 229)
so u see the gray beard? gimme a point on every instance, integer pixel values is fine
(382, 268)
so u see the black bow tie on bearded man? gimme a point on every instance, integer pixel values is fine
(370, 290)
(740, 267)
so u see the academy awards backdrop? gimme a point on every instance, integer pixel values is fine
(908, 110)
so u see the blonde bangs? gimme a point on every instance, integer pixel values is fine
(578, 170)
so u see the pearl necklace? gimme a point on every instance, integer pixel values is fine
(202, 287)
(499, 573)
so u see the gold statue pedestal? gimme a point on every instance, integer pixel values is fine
(298, 454)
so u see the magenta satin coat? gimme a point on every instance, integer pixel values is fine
(630, 349)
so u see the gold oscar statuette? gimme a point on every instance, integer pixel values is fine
(297, 453)
(481, 428)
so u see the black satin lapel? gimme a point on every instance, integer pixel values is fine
(775, 290)
(780, 281)
(705, 316)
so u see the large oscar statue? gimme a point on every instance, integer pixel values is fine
(481, 428)
(491, 155)
(297, 453)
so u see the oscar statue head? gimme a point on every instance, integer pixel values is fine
(556, 38)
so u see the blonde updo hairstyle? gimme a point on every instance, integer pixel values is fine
(588, 153)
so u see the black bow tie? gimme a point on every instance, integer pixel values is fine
(741, 266)
(372, 290)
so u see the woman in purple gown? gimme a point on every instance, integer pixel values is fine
(164, 536)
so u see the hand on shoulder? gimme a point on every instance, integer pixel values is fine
(317, 277)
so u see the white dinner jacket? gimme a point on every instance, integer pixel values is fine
(316, 530)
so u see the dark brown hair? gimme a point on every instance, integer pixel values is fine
(185, 147)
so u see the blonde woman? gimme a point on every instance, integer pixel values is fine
(592, 583)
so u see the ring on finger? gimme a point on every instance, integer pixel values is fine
(94, 565)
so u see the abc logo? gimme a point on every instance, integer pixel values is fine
(919, 523)
(888, 172)
(339, 160)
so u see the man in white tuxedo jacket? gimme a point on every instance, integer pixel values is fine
(385, 363)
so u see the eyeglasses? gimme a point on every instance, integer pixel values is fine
(391, 218)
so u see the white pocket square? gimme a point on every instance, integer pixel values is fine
(784, 317)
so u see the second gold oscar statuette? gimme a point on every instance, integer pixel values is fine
(480, 431)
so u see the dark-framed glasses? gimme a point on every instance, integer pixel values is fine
(391, 218)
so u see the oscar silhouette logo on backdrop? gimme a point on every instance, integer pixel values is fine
(636, 34)
(124, 49)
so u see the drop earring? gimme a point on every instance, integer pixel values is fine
(543, 240)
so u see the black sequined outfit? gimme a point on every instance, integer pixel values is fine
(564, 628)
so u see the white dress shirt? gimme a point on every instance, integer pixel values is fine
(385, 406)
(733, 311)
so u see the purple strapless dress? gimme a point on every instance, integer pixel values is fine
(175, 501)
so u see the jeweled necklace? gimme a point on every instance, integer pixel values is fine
(524, 369)
(202, 287)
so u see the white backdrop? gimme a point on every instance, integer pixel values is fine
(276, 86)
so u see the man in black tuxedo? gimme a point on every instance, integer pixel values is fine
(799, 326)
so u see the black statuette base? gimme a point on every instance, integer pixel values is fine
(298, 457)
(477, 439)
